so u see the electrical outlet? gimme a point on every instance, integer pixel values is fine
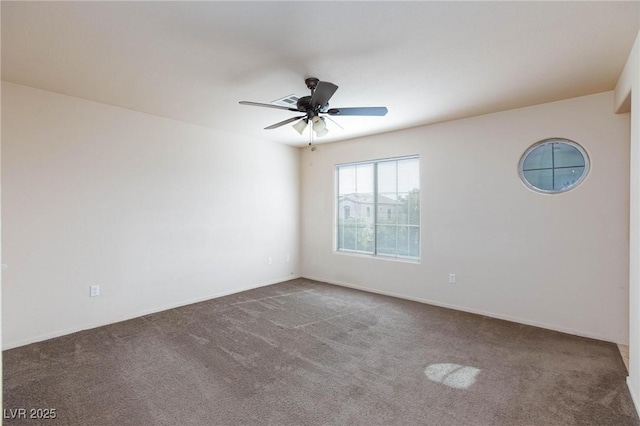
(270, 260)
(452, 278)
(94, 291)
(287, 258)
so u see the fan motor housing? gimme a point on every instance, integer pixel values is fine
(311, 82)
(304, 103)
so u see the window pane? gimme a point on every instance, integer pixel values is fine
(403, 241)
(355, 196)
(567, 156)
(354, 233)
(413, 207)
(408, 208)
(540, 158)
(541, 179)
(364, 178)
(402, 209)
(346, 235)
(355, 179)
(565, 178)
(387, 240)
(408, 176)
(408, 241)
(347, 180)
(414, 242)
(387, 177)
(386, 208)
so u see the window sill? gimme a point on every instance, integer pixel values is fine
(377, 257)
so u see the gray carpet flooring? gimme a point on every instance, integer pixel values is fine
(308, 353)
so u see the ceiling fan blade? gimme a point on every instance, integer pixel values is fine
(283, 122)
(322, 93)
(267, 106)
(379, 111)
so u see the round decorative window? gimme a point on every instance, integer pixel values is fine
(554, 165)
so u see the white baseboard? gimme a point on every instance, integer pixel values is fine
(89, 326)
(518, 320)
(64, 332)
(633, 396)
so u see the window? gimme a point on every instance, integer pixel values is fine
(553, 165)
(390, 189)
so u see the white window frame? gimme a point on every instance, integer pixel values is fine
(551, 141)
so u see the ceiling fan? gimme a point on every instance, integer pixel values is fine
(314, 106)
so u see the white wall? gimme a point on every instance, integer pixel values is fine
(556, 261)
(157, 212)
(628, 98)
(1, 363)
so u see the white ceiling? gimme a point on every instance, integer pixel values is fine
(426, 61)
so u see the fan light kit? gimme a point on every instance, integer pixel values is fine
(315, 105)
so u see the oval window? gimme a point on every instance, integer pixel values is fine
(554, 165)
